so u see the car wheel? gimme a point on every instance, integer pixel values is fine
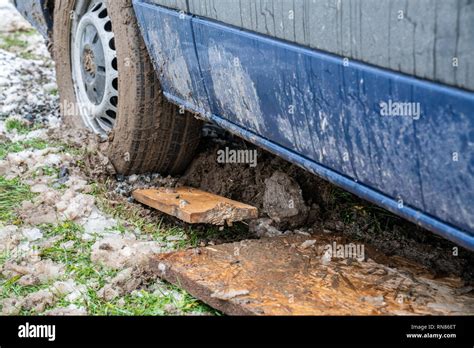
(107, 83)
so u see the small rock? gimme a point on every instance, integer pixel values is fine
(307, 244)
(303, 233)
(39, 188)
(132, 179)
(50, 87)
(263, 228)
(63, 172)
(97, 223)
(283, 201)
(32, 234)
(326, 257)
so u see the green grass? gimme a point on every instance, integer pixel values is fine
(54, 92)
(30, 56)
(12, 193)
(17, 43)
(15, 124)
(79, 267)
(16, 40)
(15, 147)
(143, 303)
(12, 41)
(362, 216)
(46, 171)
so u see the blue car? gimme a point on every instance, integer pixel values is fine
(375, 96)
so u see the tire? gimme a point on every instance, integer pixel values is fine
(149, 133)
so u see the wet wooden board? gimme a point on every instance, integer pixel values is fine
(195, 206)
(292, 275)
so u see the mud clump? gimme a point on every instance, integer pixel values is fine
(248, 184)
(283, 201)
(123, 283)
(117, 252)
(39, 301)
(43, 271)
(235, 181)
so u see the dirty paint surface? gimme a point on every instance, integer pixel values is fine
(36, 13)
(301, 275)
(329, 112)
(419, 38)
(175, 59)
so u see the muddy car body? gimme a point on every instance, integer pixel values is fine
(374, 96)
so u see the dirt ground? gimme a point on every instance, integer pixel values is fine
(73, 241)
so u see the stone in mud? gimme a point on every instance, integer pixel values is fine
(39, 188)
(308, 244)
(263, 228)
(283, 201)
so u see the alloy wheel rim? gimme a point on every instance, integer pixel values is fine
(94, 65)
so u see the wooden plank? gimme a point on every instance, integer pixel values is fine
(195, 206)
(292, 275)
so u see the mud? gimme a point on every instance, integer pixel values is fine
(324, 208)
